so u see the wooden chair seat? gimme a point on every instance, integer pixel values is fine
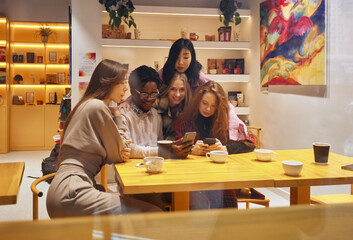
(332, 199)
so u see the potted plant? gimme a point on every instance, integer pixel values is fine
(45, 31)
(119, 11)
(229, 14)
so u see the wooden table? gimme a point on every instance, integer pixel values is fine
(10, 180)
(193, 174)
(311, 175)
(242, 170)
(299, 222)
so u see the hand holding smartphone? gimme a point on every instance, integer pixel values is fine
(189, 137)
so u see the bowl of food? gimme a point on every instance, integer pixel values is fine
(292, 168)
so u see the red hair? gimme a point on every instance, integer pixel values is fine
(220, 123)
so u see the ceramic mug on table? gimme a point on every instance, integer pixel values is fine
(264, 154)
(165, 148)
(217, 156)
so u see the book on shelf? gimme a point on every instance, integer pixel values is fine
(211, 66)
(2, 54)
(229, 65)
(61, 77)
(2, 75)
(220, 66)
(30, 57)
(225, 66)
(239, 66)
(52, 79)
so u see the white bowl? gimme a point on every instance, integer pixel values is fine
(292, 168)
(153, 164)
(264, 154)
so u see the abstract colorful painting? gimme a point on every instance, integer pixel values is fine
(292, 42)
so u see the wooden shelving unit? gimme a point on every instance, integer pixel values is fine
(44, 69)
(154, 44)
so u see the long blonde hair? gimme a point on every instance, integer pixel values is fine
(220, 123)
(165, 89)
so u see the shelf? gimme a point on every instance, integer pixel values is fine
(242, 110)
(138, 43)
(51, 65)
(39, 45)
(27, 85)
(229, 77)
(183, 11)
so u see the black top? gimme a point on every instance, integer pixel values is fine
(204, 125)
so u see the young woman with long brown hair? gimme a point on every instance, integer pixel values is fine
(208, 115)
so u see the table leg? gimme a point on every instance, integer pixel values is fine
(300, 195)
(180, 201)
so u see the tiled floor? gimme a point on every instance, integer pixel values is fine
(279, 197)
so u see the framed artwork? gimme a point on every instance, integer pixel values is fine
(30, 57)
(40, 59)
(30, 97)
(14, 57)
(21, 58)
(52, 57)
(292, 42)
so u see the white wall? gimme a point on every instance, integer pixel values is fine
(295, 120)
(86, 37)
(36, 10)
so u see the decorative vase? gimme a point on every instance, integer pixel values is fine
(44, 39)
(224, 34)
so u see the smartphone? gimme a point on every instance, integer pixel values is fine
(209, 141)
(189, 137)
(348, 167)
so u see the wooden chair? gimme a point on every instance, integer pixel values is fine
(255, 131)
(332, 198)
(37, 193)
(263, 202)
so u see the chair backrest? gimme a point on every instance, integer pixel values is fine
(255, 131)
(37, 193)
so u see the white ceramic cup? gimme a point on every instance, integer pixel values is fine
(292, 168)
(153, 164)
(217, 156)
(265, 154)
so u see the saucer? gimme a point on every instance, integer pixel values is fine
(267, 160)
